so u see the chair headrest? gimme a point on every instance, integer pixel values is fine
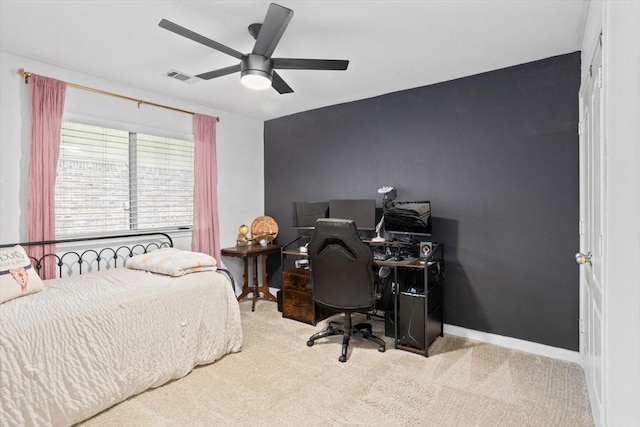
(334, 231)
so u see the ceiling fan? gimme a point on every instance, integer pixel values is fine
(257, 69)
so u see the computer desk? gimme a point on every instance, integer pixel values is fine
(417, 313)
(420, 322)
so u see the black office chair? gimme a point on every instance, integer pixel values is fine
(343, 278)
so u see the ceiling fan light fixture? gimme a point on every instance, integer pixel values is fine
(256, 79)
(257, 69)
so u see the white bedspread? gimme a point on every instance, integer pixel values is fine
(88, 342)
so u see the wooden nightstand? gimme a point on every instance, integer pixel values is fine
(250, 254)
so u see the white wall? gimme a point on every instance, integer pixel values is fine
(622, 129)
(239, 144)
(619, 22)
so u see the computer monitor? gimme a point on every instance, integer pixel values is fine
(411, 218)
(305, 214)
(361, 211)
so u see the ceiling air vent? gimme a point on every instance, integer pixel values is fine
(179, 75)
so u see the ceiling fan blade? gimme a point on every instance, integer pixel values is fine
(275, 22)
(184, 32)
(309, 64)
(280, 85)
(219, 73)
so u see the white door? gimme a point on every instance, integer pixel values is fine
(592, 197)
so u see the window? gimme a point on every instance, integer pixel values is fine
(111, 180)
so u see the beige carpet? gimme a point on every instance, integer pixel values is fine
(276, 380)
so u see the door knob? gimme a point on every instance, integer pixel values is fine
(583, 259)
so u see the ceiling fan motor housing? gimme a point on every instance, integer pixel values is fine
(256, 65)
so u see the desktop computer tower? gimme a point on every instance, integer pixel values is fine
(411, 320)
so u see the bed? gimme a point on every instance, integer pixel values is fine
(89, 341)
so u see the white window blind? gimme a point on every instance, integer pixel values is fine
(111, 180)
(164, 182)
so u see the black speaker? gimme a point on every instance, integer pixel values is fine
(425, 250)
(411, 320)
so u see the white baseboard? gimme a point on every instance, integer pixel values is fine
(514, 343)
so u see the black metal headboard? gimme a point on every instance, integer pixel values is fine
(108, 257)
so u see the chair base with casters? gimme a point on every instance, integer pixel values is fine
(347, 330)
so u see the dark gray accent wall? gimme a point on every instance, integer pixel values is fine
(497, 156)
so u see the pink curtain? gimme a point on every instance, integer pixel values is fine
(47, 106)
(205, 194)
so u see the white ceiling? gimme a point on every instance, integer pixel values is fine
(391, 45)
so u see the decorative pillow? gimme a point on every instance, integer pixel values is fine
(172, 262)
(17, 277)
